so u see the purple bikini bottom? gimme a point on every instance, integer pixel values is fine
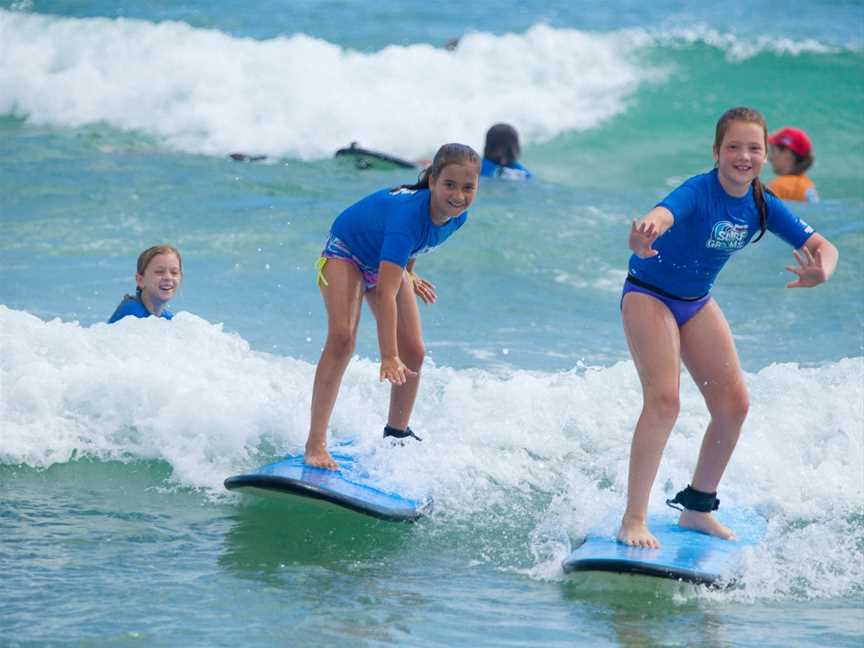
(682, 310)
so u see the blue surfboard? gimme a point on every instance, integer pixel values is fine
(348, 488)
(683, 555)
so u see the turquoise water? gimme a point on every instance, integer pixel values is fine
(115, 125)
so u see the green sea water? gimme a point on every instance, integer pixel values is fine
(115, 126)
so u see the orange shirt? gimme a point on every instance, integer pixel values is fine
(794, 187)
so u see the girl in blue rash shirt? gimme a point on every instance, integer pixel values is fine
(501, 154)
(371, 253)
(670, 316)
(160, 272)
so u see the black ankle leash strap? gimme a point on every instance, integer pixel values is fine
(399, 434)
(694, 500)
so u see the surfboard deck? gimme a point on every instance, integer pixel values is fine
(683, 555)
(348, 488)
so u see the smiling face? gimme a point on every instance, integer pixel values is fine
(160, 281)
(740, 156)
(452, 191)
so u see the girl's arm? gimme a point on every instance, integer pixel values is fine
(422, 288)
(817, 261)
(644, 232)
(389, 282)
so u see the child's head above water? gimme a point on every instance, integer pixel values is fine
(502, 145)
(158, 276)
(791, 151)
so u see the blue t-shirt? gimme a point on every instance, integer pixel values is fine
(134, 306)
(709, 226)
(392, 225)
(513, 171)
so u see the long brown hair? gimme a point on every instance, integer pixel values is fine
(751, 116)
(447, 154)
(147, 256)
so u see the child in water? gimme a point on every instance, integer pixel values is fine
(370, 254)
(160, 271)
(791, 155)
(679, 247)
(501, 154)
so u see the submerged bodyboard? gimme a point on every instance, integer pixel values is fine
(368, 159)
(348, 488)
(683, 554)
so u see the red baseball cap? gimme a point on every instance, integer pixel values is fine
(794, 139)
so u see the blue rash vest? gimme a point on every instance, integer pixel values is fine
(392, 225)
(710, 225)
(134, 306)
(513, 171)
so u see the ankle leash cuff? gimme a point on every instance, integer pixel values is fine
(399, 434)
(694, 500)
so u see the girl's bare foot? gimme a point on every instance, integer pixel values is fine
(320, 458)
(705, 523)
(635, 533)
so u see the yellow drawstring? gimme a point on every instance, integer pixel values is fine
(319, 271)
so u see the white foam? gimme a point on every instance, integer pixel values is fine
(739, 47)
(204, 91)
(200, 399)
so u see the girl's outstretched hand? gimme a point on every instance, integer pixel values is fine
(642, 237)
(394, 370)
(810, 270)
(423, 289)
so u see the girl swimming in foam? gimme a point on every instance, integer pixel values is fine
(160, 272)
(370, 254)
(501, 154)
(669, 315)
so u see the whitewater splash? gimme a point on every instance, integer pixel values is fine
(188, 392)
(191, 395)
(204, 91)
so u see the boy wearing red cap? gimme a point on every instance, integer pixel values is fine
(791, 155)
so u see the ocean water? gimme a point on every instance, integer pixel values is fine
(116, 122)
